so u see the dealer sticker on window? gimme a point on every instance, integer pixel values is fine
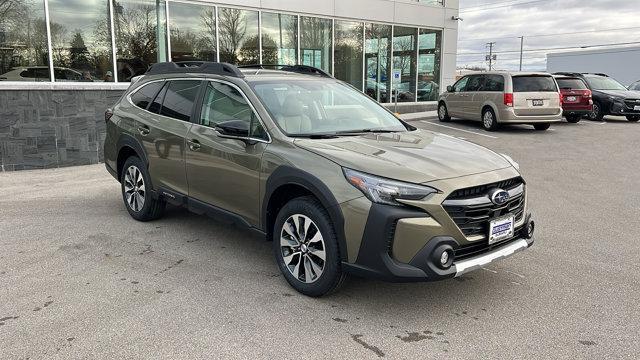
(501, 229)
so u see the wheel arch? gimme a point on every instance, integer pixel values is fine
(493, 108)
(129, 146)
(287, 183)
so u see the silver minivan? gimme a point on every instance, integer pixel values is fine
(499, 97)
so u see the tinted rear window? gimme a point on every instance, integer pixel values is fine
(571, 84)
(179, 99)
(534, 84)
(145, 94)
(494, 83)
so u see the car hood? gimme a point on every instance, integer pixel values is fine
(625, 94)
(418, 156)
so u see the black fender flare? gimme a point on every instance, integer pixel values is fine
(287, 175)
(127, 140)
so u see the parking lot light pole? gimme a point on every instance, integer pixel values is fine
(521, 47)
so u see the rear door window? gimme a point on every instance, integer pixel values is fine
(534, 83)
(493, 83)
(572, 83)
(143, 96)
(179, 99)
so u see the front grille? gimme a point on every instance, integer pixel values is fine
(632, 103)
(472, 210)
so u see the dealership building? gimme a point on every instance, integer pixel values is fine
(64, 62)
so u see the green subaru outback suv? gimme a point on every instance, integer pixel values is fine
(337, 182)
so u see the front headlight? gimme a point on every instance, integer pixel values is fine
(385, 191)
(511, 161)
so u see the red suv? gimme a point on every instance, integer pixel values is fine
(577, 100)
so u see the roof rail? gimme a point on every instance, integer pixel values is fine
(564, 73)
(206, 67)
(599, 74)
(300, 69)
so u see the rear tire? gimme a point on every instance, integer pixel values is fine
(443, 113)
(633, 118)
(489, 121)
(303, 235)
(135, 185)
(541, 127)
(573, 118)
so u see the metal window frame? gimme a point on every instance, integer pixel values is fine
(217, 34)
(259, 36)
(49, 43)
(168, 30)
(112, 29)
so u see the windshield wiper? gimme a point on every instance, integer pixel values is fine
(329, 135)
(360, 131)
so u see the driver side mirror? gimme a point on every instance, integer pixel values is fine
(235, 129)
(450, 89)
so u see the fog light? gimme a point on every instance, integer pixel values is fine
(444, 258)
(530, 228)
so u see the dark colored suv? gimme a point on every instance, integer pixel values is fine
(334, 179)
(577, 101)
(610, 97)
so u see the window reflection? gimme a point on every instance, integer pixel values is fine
(315, 42)
(348, 52)
(140, 29)
(23, 41)
(193, 32)
(378, 61)
(238, 31)
(404, 60)
(279, 39)
(81, 40)
(428, 65)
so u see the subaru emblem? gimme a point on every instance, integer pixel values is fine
(499, 196)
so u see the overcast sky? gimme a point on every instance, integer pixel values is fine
(504, 21)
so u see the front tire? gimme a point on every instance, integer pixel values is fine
(443, 113)
(135, 186)
(597, 114)
(633, 118)
(489, 121)
(573, 118)
(541, 127)
(306, 248)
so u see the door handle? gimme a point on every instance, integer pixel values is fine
(143, 130)
(194, 145)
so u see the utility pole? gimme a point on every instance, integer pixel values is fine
(491, 55)
(521, 47)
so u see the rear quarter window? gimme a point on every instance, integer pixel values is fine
(534, 84)
(143, 96)
(576, 84)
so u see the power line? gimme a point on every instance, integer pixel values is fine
(555, 34)
(501, 6)
(556, 48)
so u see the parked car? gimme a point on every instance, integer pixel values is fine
(497, 98)
(337, 182)
(635, 86)
(577, 101)
(610, 97)
(40, 73)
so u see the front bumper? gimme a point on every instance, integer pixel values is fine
(375, 259)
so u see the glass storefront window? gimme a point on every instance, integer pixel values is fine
(315, 42)
(140, 28)
(23, 41)
(378, 61)
(404, 60)
(429, 42)
(348, 52)
(81, 41)
(279, 39)
(192, 30)
(239, 41)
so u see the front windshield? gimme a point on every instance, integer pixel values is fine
(303, 107)
(604, 83)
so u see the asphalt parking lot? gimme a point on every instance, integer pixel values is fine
(79, 279)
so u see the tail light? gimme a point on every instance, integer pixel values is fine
(508, 99)
(107, 115)
(589, 96)
(560, 97)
